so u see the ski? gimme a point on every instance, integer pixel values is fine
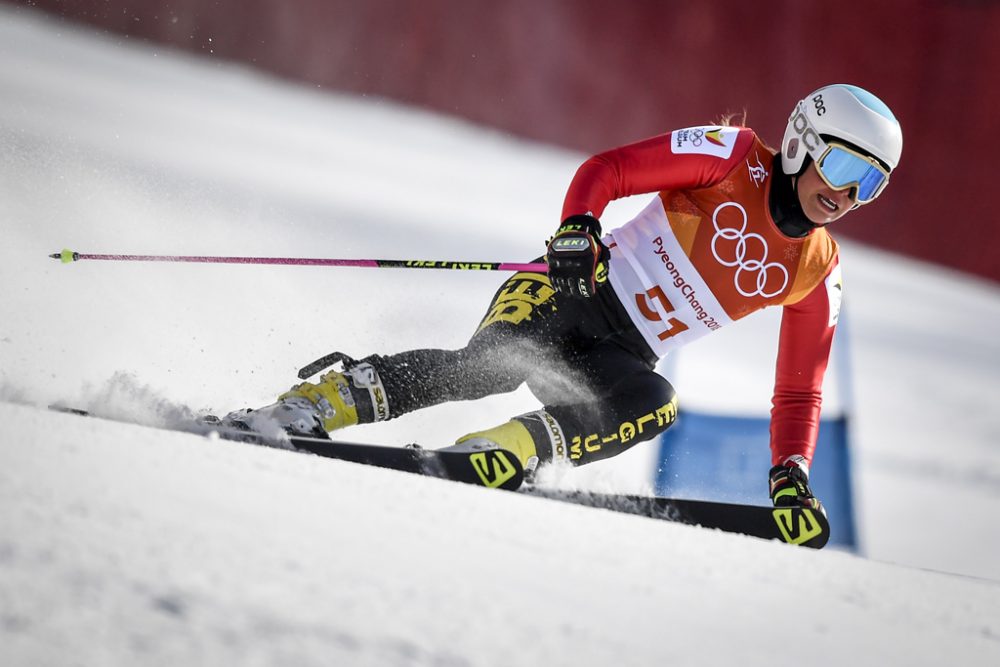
(794, 525)
(498, 469)
(493, 468)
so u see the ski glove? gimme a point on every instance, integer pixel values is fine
(789, 484)
(577, 259)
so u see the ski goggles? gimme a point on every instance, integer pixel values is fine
(842, 167)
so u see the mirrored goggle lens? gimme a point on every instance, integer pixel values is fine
(842, 168)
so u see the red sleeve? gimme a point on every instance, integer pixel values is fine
(646, 166)
(803, 352)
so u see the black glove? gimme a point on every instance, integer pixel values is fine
(790, 488)
(577, 258)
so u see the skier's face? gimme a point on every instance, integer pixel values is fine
(821, 203)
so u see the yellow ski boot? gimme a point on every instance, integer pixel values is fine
(512, 436)
(332, 402)
(338, 400)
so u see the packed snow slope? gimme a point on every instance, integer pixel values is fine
(121, 544)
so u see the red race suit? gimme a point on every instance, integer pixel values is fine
(706, 252)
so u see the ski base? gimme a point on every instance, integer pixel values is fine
(794, 525)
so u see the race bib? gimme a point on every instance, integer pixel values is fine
(835, 293)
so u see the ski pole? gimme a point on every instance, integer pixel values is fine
(68, 256)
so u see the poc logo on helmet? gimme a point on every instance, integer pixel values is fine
(804, 129)
(818, 103)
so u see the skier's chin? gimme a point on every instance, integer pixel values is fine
(821, 212)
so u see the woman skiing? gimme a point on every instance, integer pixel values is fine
(732, 229)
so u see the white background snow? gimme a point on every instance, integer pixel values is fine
(121, 544)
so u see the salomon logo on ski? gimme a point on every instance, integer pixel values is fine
(493, 467)
(799, 532)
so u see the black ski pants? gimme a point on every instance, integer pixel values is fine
(582, 358)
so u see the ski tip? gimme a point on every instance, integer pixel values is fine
(66, 256)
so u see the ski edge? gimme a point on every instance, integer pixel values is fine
(794, 525)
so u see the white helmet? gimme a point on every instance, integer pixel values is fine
(845, 112)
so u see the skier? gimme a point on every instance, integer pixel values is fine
(731, 230)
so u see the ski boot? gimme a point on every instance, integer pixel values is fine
(293, 416)
(338, 400)
(513, 436)
(789, 485)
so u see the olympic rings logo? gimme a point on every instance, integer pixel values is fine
(753, 245)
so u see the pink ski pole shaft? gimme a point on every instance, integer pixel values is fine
(68, 256)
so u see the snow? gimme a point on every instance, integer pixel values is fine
(121, 543)
(149, 547)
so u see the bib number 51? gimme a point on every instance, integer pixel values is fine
(644, 302)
